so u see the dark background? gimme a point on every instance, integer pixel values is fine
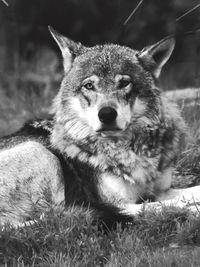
(30, 62)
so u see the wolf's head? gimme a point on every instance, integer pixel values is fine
(107, 87)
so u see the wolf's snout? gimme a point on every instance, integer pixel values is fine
(107, 115)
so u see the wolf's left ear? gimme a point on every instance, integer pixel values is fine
(154, 57)
(69, 48)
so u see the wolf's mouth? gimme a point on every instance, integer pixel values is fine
(109, 131)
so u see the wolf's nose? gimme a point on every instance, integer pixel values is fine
(107, 115)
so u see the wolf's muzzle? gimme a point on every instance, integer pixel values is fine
(107, 115)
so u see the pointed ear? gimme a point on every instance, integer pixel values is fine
(154, 57)
(69, 48)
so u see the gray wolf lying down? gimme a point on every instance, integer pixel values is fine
(111, 144)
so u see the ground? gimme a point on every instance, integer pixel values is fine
(169, 238)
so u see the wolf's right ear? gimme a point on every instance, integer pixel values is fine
(69, 48)
(155, 56)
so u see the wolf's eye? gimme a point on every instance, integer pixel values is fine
(124, 83)
(89, 86)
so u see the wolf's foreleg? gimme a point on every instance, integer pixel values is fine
(181, 198)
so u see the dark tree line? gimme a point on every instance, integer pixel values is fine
(24, 26)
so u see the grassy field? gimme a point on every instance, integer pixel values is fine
(168, 238)
(72, 238)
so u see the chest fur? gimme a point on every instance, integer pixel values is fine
(133, 157)
(120, 162)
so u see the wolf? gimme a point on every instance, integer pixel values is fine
(111, 143)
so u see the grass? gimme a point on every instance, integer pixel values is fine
(27, 91)
(188, 165)
(71, 238)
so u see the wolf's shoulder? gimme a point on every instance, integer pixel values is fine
(34, 130)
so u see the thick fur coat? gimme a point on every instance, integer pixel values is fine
(111, 144)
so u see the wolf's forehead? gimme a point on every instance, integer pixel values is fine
(108, 59)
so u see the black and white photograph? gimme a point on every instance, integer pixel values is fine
(99, 133)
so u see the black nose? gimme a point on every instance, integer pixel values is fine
(107, 115)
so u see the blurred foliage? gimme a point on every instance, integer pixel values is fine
(94, 21)
(30, 60)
